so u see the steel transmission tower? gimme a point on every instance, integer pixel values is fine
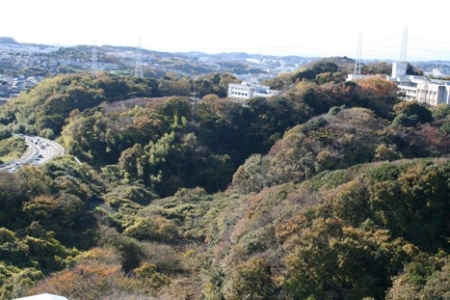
(138, 72)
(404, 45)
(94, 60)
(194, 99)
(357, 70)
(30, 57)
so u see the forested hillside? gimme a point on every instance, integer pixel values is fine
(329, 190)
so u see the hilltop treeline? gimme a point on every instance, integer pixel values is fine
(43, 109)
(329, 190)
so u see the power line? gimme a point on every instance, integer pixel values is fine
(428, 50)
(429, 41)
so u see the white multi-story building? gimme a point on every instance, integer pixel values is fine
(432, 92)
(247, 90)
(45, 296)
(399, 70)
(421, 89)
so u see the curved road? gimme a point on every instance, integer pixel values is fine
(39, 151)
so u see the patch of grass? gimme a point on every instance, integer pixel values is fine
(12, 148)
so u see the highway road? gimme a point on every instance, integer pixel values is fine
(38, 152)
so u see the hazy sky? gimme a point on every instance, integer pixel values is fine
(281, 27)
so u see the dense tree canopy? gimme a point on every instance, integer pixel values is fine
(329, 190)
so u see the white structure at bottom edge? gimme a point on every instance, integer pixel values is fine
(44, 296)
(247, 90)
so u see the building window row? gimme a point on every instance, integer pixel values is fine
(239, 94)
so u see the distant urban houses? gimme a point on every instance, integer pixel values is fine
(11, 86)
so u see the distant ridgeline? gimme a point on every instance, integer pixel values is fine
(7, 40)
